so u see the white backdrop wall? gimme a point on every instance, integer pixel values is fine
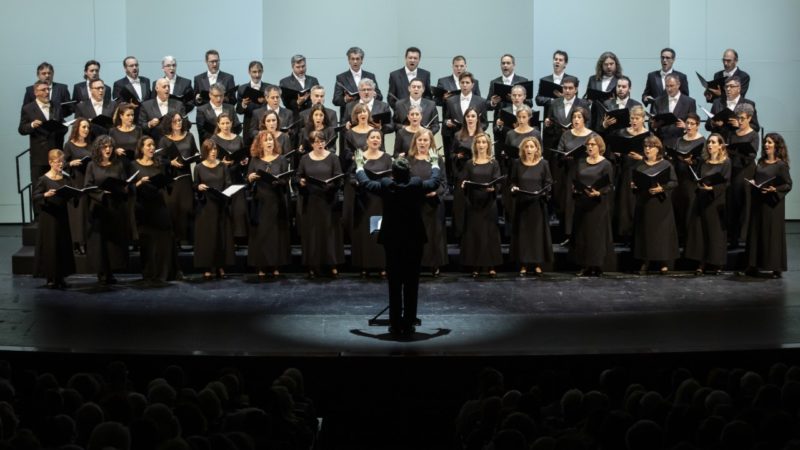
(66, 34)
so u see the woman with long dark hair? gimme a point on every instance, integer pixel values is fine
(766, 234)
(76, 150)
(156, 243)
(109, 221)
(706, 240)
(178, 146)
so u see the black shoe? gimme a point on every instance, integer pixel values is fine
(409, 331)
(61, 284)
(111, 280)
(179, 276)
(776, 274)
(395, 331)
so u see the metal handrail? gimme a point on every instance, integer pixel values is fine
(22, 189)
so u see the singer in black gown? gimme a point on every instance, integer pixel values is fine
(530, 181)
(53, 254)
(268, 242)
(766, 235)
(706, 240)
(480, 244)
(592, 244)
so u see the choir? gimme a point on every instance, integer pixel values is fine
(601, 166)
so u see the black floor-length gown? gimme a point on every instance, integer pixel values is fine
(238, 176)
(109, 221)
(655, 236)
(743, 166)
(156, 242)
(434, 252)
(480, 243)
(213, 229)
(180, 195)
(531, 242)
(461, 146)
(366, 253)
(683, 195)
(624, 197)
(766, 235)
(54, 259)
(592, 244)
(268, 241)
(321, 227)
(706, 240)
(78, 211)
(562, 178)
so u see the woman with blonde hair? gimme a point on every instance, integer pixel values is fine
(531, 243)
(434, 253)
(480, 244)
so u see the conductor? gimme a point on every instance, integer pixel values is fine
(402, 234)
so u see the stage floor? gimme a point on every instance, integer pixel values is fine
(558, 314)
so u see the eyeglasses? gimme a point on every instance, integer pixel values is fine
(98, 88)
(731, 86)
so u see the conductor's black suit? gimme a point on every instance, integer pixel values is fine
(403, 237)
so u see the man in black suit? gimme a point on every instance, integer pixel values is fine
(317, 97)
(346, 88)
(621, 100)
(206, 118)
(730, 64)
(403, 236)
(298, 81)
(545, 99)
(367, 95)
(672, 102)
(558, 118)
(248, 105)
(91, 72)
(288, 121)
(450, 83)
(733, 98)
(204, 81)
(96, 105)
(604, 80)
(401, 78)
(33, 122)
(457, 104)
(654, 87)
(161, 106)
(59, 93)
(178, 86)
(137, 89)
(430, 115)
(501, 128)
(509, 78)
